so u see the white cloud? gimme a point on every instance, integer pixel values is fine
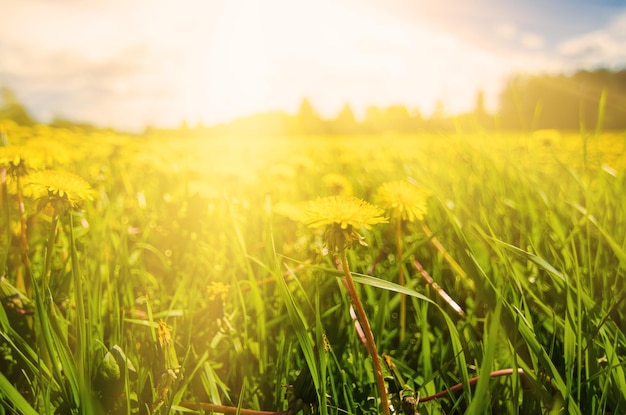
(506, 31)
(510, 33)
(107, 62)
(600, 47)
(532, 41)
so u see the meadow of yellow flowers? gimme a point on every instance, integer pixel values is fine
(170, 271)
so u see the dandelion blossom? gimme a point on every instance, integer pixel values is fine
(60, 186)
(164, 334)
(342, 216)
(13, 159)
(217, 290)
(403, 200)
(10, 157)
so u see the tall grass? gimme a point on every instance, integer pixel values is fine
(526, 233)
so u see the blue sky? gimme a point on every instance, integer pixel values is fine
(129, 63)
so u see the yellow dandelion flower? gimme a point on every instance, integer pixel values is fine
(341, 216)
(66, 187)
(10, 157)
(170, 360)
(403, 200)
(164, 334)
(548, 137)
(14, 159)
(217, 290)
(50, 151)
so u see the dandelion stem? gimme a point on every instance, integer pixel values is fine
(401, 281)
(6, 220)
(28, 281)
(371, 345)
(83, 339)
(50, 247)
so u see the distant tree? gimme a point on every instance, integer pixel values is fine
(374, 120)
(306, 110)
(397, 118)
(416, 114)
(439, 111)
(481, 116)
(345, 122)
(615, 117)
(393, 118)
(479, 108)
(438, 120)
(565, 101)
(61, 122)
(511, 112)
(270, 122)
(308, 120)
(12, 109)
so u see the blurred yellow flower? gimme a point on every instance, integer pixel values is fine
(337, 184)
(217, 290)
(341, 216)
(403, 200)
(14, 159)
(170, 360)
(164, 334)
(547, 137)
(63, 186)
(292, 211)
(51, 151)
(9, 157)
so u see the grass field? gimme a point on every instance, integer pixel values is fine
(182, 273)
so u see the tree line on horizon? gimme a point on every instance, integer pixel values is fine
(584, 99)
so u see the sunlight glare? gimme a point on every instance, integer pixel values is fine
(269, 56)
(237, 65)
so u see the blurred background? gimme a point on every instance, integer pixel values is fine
(336, 66)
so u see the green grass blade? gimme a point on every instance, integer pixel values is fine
(618, 375)
(301, 331)
(11, 396)
(481, 393)
(389, 286)
(601, 111)
(322, 361)
(619, 251)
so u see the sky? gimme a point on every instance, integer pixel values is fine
(132, 63)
